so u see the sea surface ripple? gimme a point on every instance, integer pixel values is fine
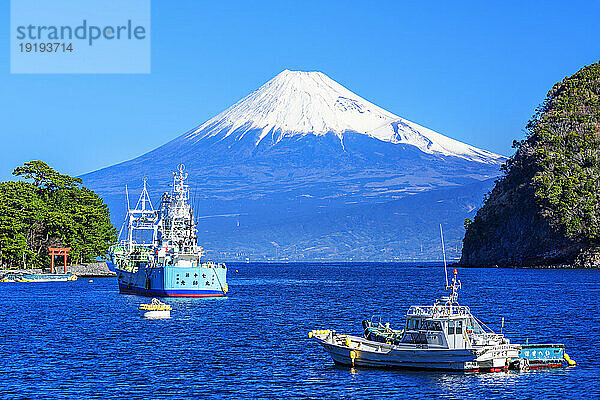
(85, 340)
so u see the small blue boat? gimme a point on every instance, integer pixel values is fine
(544, 355)
(33, 277)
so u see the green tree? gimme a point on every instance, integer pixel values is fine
(44, 176)
(21, 214)
(467, 223)
(565, 139)
(53, 211)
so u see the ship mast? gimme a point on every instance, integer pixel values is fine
(453, 298)
(177, 226)
(455, 286)
(444, 252)
(142, 218)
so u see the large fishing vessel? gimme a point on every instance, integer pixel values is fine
(160, 255)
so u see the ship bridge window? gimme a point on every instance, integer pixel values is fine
(413, 324)
(455, 327)
(435, 339)
(415, 338)
(431, 325)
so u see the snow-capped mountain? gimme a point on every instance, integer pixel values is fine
(303, 169)
(310, 103)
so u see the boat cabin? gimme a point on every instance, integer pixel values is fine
(441, 326)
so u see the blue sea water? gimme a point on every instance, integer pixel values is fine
(85, 340)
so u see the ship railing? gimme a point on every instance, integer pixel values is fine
(125, 243)
(487, 339)
(133, 257)
(489, 335)
(438, 310)
(141, 257)
(211, 264)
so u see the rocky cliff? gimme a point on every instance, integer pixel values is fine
(545, 209)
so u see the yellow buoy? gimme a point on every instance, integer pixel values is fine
(353, 355)
(348, 342)
(310, 334)
(569, 361)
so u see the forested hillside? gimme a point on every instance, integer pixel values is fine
(545, 209)
(52, 211)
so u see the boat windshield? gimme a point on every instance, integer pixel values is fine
(415, 324)
(431, 325)
(415, 338)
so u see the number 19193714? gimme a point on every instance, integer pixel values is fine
(46, 47)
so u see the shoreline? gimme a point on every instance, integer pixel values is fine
(92, 270)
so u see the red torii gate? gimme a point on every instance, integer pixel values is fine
(58, 251)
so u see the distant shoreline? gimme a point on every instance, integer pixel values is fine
(432, 264)
(562, 266)
(101, 270)
(92, 270)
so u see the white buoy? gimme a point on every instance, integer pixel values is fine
(156, 310)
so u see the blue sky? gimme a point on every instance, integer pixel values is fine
(474, 71)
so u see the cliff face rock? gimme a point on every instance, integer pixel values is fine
(545, 209)
(510, 231)
(92, 270)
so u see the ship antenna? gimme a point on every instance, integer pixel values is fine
(144, 195)
(444, 252)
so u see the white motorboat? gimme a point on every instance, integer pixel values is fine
(155, 310)
(442, 336)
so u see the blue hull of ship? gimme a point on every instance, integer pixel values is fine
(174, 281)
(169, 293)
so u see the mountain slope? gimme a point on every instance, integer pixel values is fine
(298, 103)
(300, 146)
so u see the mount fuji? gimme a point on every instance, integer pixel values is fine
(304, 169)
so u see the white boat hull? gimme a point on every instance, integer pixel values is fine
(364, 353)
(157, 314)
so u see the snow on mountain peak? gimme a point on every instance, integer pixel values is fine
(301, 103)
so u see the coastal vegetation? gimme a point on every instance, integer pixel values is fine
(53, 210)
(545, 209)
